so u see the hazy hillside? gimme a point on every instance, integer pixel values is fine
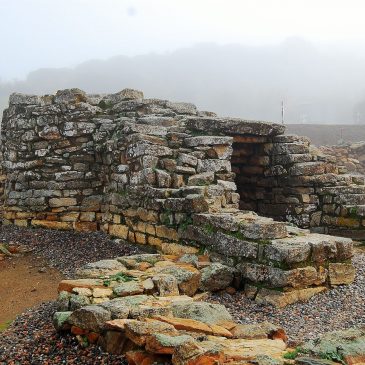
(324, 85)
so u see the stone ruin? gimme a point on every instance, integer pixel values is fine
(202, 192)
(350, 157)
(182, 181)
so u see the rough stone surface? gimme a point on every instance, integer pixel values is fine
(164, 175)
(89, 318)
(348, 345)
(216, 277)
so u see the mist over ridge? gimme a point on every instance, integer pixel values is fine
(317, 84)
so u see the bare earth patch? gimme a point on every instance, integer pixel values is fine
(24, 282)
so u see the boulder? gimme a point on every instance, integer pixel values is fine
(239, 351)
(167, 285)
(132, 261)
(347, 345)
(192, 325)
(313, 361)
(192, 353)
(69, 285)
(113, 342)
(63, 301)
(187, 276)
(126, 94)
(78, 301)
(259, 331)
(201, 311)
(101, 268)
(91, 317)
(117, 307)
(340, 274)
(141, 357)
(282, 299)
(138, 331)
(124, 289)
(60, 321)
(151, 309)
(160, 343)
(216, 277)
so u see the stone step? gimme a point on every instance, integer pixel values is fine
(247, 224)
(341, 189)
(350, 199)
(311, 247)
(358, 210)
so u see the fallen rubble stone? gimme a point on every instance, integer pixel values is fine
(205, 312)
(90, 317)
(216, 277)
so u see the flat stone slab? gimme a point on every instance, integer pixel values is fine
(234, 126)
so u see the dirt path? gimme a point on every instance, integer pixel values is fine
(23, 285)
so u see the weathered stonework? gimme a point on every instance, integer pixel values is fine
(147, 307)
(167, 175)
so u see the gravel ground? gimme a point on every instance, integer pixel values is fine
(31, 338)
(335, 309)
(67, 250)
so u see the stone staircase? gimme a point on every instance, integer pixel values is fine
(277, 263)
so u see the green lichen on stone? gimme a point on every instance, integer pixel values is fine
(353, 212)
(120, 277)
(166, 216)
(291, 355)
(172, 341)
(185, 224)
(105, 104)
(336, 345)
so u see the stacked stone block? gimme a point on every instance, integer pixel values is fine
(54, 175)
(151, 308)
(286, 178)
(350, 158)
(276, 263)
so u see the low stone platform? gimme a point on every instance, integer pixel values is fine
(148, 308)
(151, 308)
(277, 263)
(277, 272)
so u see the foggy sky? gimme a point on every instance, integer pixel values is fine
(54, 33)
(235, 57)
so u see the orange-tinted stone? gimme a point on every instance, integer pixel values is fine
(92, 337)
(77, 331)
(141, 357)
(68, 285)
(86, 226)
(192, 325)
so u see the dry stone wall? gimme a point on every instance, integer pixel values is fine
(350, 158)
(167, 175)
(288, 179)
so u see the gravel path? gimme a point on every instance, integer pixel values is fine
(67, 250)
(335, 309)
(31, 339)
